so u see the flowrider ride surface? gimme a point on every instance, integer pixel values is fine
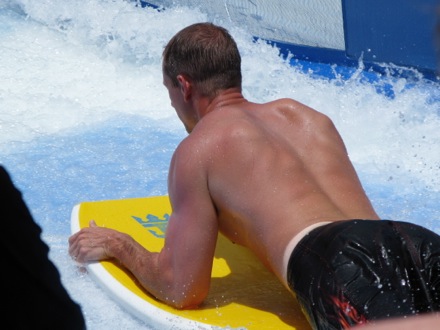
(243, 293)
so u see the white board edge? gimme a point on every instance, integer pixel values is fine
(143, 310)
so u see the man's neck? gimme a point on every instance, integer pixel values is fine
(227, 98)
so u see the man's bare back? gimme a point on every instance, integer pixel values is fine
(274, 169)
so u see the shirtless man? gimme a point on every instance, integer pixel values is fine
(267, 176)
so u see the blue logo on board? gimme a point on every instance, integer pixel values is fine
(155, 225)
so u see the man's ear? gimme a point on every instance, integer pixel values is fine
(185, 87)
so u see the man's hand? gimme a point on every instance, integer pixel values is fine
(92, 243)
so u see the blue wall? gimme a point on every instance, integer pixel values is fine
(392, 31)
(401, 32)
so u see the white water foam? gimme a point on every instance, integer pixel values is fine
(84, 116)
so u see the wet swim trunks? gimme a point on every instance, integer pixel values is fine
(351, 272)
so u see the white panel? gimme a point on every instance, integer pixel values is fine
(316, 23)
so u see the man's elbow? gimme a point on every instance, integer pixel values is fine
(184, 300)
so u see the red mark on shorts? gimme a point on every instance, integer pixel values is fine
(348, 316)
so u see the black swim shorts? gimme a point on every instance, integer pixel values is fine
(351, 272)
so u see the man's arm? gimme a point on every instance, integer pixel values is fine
(180, 274)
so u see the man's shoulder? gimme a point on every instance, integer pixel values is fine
(288, 103)
(285, 101)
(200, 140)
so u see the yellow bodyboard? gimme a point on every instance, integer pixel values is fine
(243, 293)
